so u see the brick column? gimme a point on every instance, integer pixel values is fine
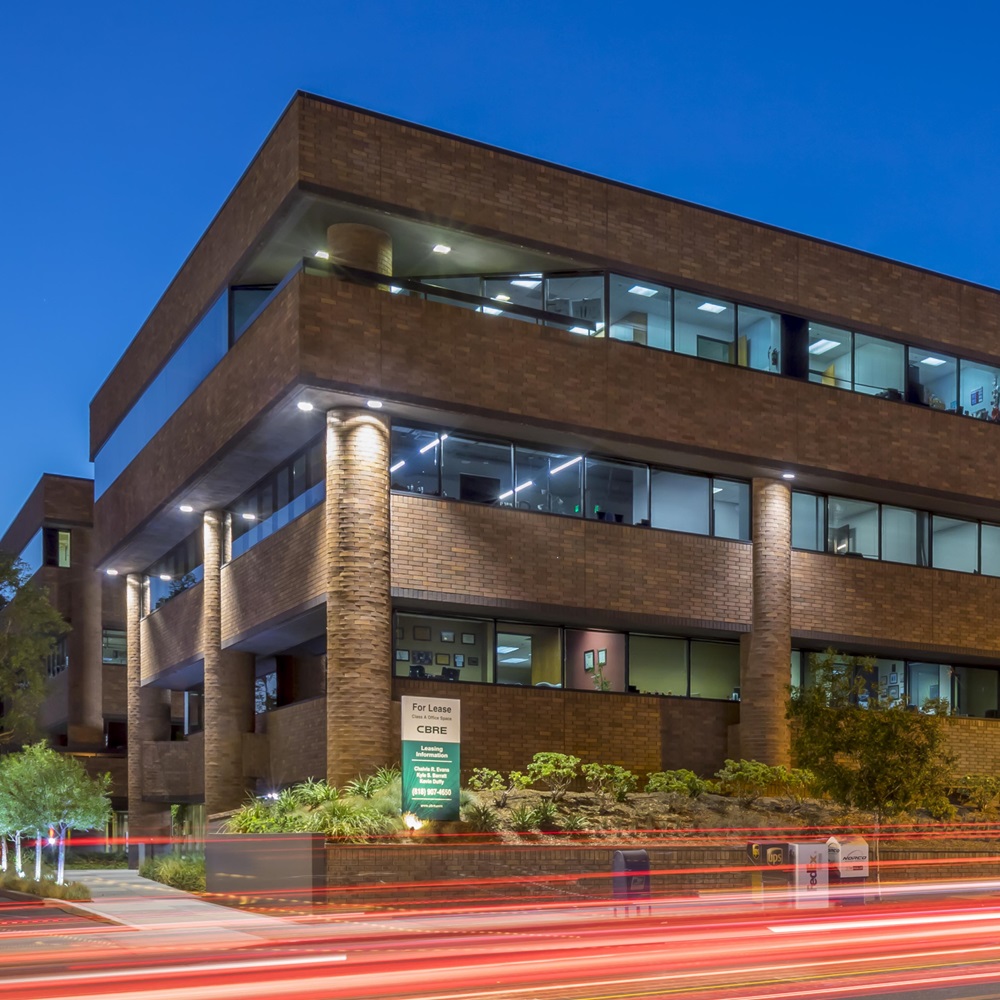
(228, 685)
(85, 687)
(358, 607)
(360, 246)
(148, 720)
(765, 670)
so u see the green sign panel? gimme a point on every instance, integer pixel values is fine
(431, 756)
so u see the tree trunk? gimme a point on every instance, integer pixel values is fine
(877, 858)
(18, 866)
(61, 868)
(38, 855)
(3, 853)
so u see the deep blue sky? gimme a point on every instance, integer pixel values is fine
(125, 125)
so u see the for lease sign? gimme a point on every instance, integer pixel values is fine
(432, 736)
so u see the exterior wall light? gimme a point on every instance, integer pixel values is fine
(788, 475)
(111, 572)
(375, 404)
(304, 406)
(186, 508)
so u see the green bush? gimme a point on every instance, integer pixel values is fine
(978, 791)
(485, 779)
(523, 819)
(679, 782)
(545, 816)
(47, 888)
(748, 780)
(185, 872)
(482, 818)
(574, 823)
(96, 859)
(555, 771)
(610, 782)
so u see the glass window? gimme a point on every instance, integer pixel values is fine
(265, 692)
(704, 327)
(414, 464)
(808, 516)
(731, 509)
(657, 665)
(904, 536)
(244, 301)
(182, 567)
(33, 554)
(715, 670)
(194, 710)
(196, 356)
(927, 680)
(990, 549)
(878, 367)
(889, 678)
(830, 356)
(932, 379)
(853, 528)
(56, 547)
(113, 647)
(548, 481)
(956, 544)
(979, 394)
(519, 289)
(679, 501)
(975, 692)
(529, 655)
(640, 312)
(595, 661)
(616, 491)
(476, 471)
(450, 649)
(796, 675)
(759, 340)
(581, 298)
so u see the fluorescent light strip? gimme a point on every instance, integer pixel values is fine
(822, 346)
(580, 329)
(566, 465)
(507, 649)
(398, 465)
(435, 442)
(516, 489)
(526, 282)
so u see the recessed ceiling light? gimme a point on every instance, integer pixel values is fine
(515, 659)
(934, 361)
(646, 293)
(507, 649)
(375, 404)
(322, 254)
(788, 475)
(501, 298)
(395, 289)
(247, 516)
(111, 572)
(166, 577)
(186, 508)
(822, 346)
(526, 282)
(712, 307)
(716, 489)
(579, 329)
(441, 248)
(492, 311)
(304, 406)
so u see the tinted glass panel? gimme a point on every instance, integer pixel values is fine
(715, 670)
(679, 501)
(704, 327)
(990, 545)
(932, 379)
(808, 512)
(956, 544)
(759, 339)
(414, 463)
(975, 692)
(731, 506)
(113, 647)
(243, 303)
(927, 680)
(979, 394)
(616, 491)
(529, 655)
(451, 649)
(640, 312)
(595, 661)
(520, 289)
(549, 482)
(878, 367)
(657, 665)
(580, 298)
(853, 528)
(904, 536)
(476, 471)
(830, 356)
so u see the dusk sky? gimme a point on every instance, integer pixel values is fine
(875, 125)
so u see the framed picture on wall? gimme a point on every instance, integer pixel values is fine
(442, 659)
(602, 657)
(893, 679)
(422, 633)
(422, 656)
(468, 639)
(473, 661)
(403, 655)
(460, 660)
(893, 691)
(588, 660)
(447, 636)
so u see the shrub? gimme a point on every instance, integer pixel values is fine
(523, 819)
(978, 791)
(482, 818)
(574, 823)
(47, 888)
(554, 770)
(485, 779)
(180, 871)
(799, 783)
(610, 781)
(545, 815)
(96, 859)
(679, 782)
(748, 780)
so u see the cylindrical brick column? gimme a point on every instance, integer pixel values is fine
(765, 670)
(148, 720)
(357, 245)
(228, 685)
(85, 681)
(358, 607)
